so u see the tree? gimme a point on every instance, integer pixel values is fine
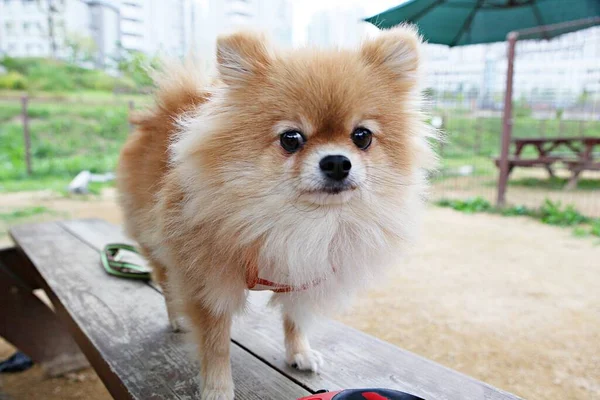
(81, 48)
(137, 66)
(583, 98)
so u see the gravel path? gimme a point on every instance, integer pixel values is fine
(507, 300)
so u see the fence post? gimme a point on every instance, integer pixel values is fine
(507, 120)
(477, 143)
(442, 128)
(131, 105)
(26, 136)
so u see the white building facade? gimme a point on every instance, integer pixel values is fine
(341, 27)
(153, 26)
(170, 28)
(204, 20)
(25, 29)
(557, 72)
(148, 26)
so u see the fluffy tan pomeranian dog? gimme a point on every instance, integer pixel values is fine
(301, 172)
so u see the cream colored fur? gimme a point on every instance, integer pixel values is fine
(209, 194)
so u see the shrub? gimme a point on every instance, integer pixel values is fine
(13, 81)
(596, 228)
(469, 206)
(20, 65)
(98, 80)
(58, 76)
(552, 213)
(51, 77)
(136, 66)
(515, 211)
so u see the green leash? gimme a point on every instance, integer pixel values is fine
(111, 261)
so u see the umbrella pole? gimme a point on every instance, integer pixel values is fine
(507, 120)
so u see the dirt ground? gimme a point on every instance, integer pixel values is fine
(507, 300)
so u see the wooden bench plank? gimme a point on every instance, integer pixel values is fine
(352, 358)
(122, 326)
(530, 162)
(583, 165)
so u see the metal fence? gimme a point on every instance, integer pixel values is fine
(58, 137)
(556, 95)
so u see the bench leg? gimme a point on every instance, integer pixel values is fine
(550, 171)
(572, 184)
(29, 324)
(510, 169)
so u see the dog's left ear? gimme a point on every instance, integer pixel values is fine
(241, 56)
(396, 51)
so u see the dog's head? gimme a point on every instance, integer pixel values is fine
(312, 127)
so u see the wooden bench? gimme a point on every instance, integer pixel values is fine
(121, 326)
(545, 162)
(579, 155)
(577, 167)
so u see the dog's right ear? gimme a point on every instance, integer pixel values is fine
(396, 51)
(241, 56)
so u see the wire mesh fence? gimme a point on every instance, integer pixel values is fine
(556, 96)
(58, 138)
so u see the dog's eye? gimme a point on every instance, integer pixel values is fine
(362, 138)
(292, 141)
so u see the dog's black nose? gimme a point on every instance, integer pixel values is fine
(335, 167)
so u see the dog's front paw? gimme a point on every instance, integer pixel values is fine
(308, 360)
(217, 394)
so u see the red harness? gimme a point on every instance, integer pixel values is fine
(264, 284)
(253, 282)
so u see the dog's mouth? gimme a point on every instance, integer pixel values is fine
(330, 194)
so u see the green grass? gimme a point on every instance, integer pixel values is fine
(466, 136)
(469, 206)
(55, 184)
(482, 166)
(65, 139)
(550, 213)
(96, 188)
(74, 97)
(9, 111)
(86, 129)
(476, 141)
(41, 74)
(595, 228)
(23, 213)
(555, 183)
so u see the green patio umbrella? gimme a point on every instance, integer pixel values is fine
(462, 22)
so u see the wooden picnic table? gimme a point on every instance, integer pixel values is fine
(579, 157)
(122, 328)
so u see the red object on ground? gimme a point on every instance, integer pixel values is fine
(362, 394)
(321, 396)
(373, 396)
